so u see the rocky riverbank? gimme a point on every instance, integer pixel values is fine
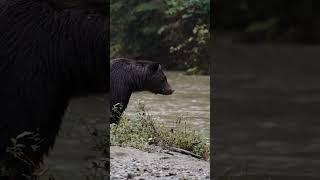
(130, 163)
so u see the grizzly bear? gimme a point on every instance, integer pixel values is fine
(48, 55)
(128, 76)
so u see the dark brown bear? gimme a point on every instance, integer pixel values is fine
(128, 76)
(49, 53)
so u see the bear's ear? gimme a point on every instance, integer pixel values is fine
(154, 67)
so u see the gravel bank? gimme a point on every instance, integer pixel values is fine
(130, 163)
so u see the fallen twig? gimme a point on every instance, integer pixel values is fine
(182, 151)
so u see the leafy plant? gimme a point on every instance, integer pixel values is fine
(174, 32)
(143, 131)
(18, 150)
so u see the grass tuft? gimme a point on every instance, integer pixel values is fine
(142, 130)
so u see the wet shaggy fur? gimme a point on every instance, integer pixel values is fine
(47, 56)
(129, 76)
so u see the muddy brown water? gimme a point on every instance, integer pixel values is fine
(73, 151)
(267, 100)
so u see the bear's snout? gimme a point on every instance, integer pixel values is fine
(171, 91)
(167, 91)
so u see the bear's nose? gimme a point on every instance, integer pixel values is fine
(170, 91)
(167, 91)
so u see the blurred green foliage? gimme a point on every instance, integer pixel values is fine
(269, 21)
(173, 32)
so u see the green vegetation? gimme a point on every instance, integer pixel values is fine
(143, 131)
(173, 32)
(269, 21)
(24, 142)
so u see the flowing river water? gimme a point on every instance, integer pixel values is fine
(267, 100)
(73, 150)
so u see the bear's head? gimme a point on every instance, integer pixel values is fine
(156, 81)
(139, 75)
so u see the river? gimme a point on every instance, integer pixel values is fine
(267, 100)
